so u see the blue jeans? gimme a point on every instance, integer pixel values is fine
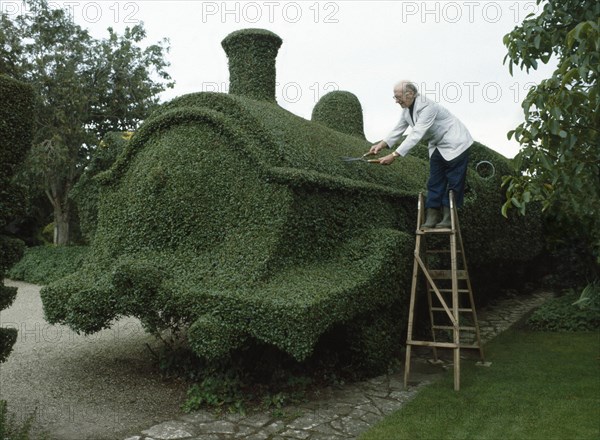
(445, 176)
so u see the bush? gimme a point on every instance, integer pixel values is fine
(10, 429)
(237, 221)
(86, 192)
(340, 111)
(571, 312)
(16, 116)
(45, 264)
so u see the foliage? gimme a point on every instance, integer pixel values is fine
(219, 391)
(16, 114)
(251, 54)
(559, 161)
(340, 111)
(570, 312)
(10, 429)
(46, 264)
(539, 386)
(235, 222)
(86, 191)
(86, 87)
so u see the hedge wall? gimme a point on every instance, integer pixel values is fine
(237, 221)
(16, 116)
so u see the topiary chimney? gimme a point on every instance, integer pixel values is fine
(252, 54)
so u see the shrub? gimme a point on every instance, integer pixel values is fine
(86, 191)
(570, 312)
(251, 54)
(45, 264)
(10, 429)
(16, 116)
(236, 220)
(340, 111)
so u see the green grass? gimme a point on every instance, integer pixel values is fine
(539, 386)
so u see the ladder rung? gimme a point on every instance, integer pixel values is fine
(435, 231)
(450, 290)
(442, 344)
(449, 327)
(441, 251)
(447, 274)
(441, 309)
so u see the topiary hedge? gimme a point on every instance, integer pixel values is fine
(341, 111)
(86, 191)
(16, 116)
(237, 221)
(252, 55)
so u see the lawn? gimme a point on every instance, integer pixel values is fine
(539, 386)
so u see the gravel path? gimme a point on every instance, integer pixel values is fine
(84, 387)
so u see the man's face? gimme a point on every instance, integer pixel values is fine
(403, 97)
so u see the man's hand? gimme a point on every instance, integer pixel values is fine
(377, 147)
(387, 160)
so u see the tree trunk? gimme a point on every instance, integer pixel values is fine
(61, 225)
(62, 214)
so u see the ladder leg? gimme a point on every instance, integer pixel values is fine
(431, 320)
(457, 368)
(407, 366)
(455, 299)
(413, 293)
(471, 298)
(411, 314)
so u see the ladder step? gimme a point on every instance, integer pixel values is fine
(442, 344)
(441, 251)
(450, 290)
(441, 309)
(435, 231)
(447, 274)
(449, 327)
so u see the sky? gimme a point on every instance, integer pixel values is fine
(452, 50)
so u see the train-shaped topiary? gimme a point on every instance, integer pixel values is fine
(235, 220)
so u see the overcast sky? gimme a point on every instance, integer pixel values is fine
(452, 50)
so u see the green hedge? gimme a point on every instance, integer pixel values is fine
(237, 221)
(86, 192)
(341, 111)
(251, 54)
(16, 118)
(46, 264)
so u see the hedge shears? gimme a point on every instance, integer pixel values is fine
(362, 158)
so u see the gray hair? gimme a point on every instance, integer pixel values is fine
(411, 87)
(408, 85)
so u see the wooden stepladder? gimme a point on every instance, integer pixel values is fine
(449, 293)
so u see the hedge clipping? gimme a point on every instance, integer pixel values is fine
(235, 220)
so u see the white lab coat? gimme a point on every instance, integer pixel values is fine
(432, 123)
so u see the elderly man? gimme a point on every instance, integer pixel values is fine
(449, 142)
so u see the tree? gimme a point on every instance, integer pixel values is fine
(86, 88)
(559, 160)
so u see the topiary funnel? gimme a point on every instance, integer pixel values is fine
(252, 54)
